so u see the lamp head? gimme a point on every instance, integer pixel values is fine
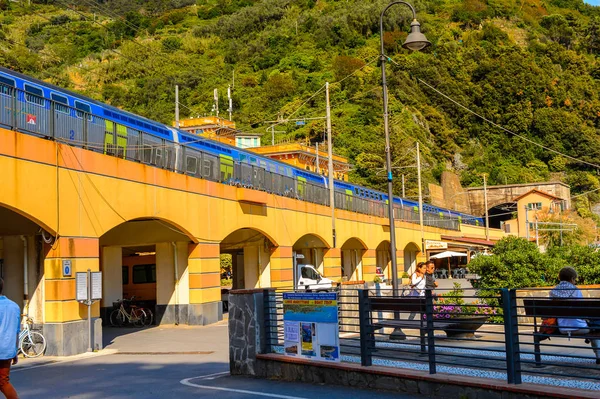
(415, 40)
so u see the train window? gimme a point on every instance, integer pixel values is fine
(34, 95)
(191, 165)
(125, 272)
(82, 107)
(6, 86)
(144, 274)
(355, 190)
(60, 103)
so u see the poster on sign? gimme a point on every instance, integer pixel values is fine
(311, 325)
(31, 119)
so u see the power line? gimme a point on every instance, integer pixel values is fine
(505, 129)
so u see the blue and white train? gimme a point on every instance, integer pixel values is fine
(36, 107)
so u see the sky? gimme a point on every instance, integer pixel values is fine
(592, 2)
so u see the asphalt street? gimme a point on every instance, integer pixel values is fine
(162, 362)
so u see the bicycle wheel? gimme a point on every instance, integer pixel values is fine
(137, 317)
(117, 319)
(33, 344)
(149, 317)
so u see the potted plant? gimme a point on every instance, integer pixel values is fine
(405, 278)
(460, 320)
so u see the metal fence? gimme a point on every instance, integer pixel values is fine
(492, 333)
(28, 113)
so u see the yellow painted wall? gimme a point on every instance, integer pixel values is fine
(96, 193)
(523, 215)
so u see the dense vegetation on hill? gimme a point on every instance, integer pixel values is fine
(529, 65)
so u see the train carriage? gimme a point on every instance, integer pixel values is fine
(36, 107)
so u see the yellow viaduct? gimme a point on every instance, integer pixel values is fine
(59, 202)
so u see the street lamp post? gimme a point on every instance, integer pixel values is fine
(414, 41)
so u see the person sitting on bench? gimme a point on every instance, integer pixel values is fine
(567, 289)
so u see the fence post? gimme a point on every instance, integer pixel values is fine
(269, 310)
(52, 121)
(430, 331)
(14, 109)
(366, 329)
(511, 336)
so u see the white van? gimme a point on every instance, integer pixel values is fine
(310, 279)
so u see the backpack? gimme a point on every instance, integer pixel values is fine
(549, 326)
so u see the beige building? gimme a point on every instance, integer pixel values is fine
(529, 206)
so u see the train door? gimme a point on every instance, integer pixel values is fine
(226, 169)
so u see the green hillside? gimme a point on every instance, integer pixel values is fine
(529, 65)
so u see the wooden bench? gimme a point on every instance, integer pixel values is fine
(588, 309)
(415, 305)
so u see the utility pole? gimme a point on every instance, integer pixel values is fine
(403, 191)
(177, 106)
(317, 165)
(217, 102)
(330, 164)
(420, 198)
(537, 235)
(485, 201)
(527, 222)
(230, 102)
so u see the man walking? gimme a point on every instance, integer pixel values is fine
(10, 317)
(430, 283)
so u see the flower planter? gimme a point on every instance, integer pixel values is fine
(464, 327)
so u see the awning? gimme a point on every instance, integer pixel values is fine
(475, 241)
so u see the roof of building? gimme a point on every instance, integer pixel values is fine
(536, 192)
(477, 241)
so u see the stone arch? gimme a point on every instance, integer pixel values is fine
(7, 209)
(312, 248)
(156, 222)
(352, 253)
(147, 258)
(410, 257)
(383, 260)
(22, 254)
(250, 251)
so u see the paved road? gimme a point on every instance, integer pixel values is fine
(162, 363)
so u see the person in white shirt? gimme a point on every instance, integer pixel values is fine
(567, 289)
(417, 284)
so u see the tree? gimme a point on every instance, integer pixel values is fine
(515, 263)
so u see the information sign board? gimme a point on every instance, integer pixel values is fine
(67, 268)
(81, 286)
(311, 325)
(96, 286)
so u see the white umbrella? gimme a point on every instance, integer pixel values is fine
(447, 254)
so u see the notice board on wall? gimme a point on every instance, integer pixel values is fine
(311, 325)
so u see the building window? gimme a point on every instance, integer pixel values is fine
(534, 206)
(143, 274)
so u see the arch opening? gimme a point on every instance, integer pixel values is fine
(352, 252)
(309, 250)
(22, 254)
(499, 214)
(383, 264)
(245, 259)
(411, 250)
(146, 260)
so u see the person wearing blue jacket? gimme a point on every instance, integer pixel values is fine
(567, 289)
(10, 324)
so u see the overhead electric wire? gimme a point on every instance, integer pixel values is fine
(499, 126)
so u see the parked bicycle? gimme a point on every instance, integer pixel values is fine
(31, 343)
(128, 313)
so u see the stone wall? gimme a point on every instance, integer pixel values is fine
(245, 319)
